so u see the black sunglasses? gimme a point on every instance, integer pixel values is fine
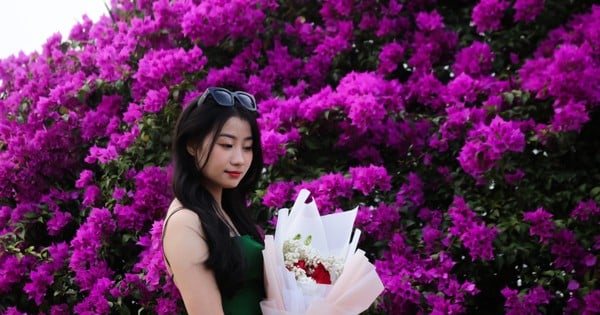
(224, 97)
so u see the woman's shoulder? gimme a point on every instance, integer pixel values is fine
(178, 216)
(183, 238)
(181, 210)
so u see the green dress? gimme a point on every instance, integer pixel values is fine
(246, 300)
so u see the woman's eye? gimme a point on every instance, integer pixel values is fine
(248, 148)
(226, 145)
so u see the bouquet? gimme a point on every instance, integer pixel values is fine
(313, 266)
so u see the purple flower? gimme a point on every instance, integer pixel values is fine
(526, 304)
(327, 190)
(365, 111)
(96, 302)
(431, 237)
(277, 194)
(60, 309)
(478, 239)
(461, 216)
(95, 123)
(572, 285)
(40, 280)
(568, 254)
(569, 73)
(274, 146)
(592, 303)
(443, 306)
(368, 153)
(431, 41)
(43, 275)
(86, 245)
(474, 60)
(58, 221)
(150, 199)
(476, 158)
(91, 195)
(119, 193)
(487, 15)
(160, 69)
(412, 191)
(462, 90)
(458, 117)
(103, 155)
(527, 10)
(165, 306)
(127, 217)
(313, 106)
(473, 233)
(378, 222)
(541, 224)
(390, 57)
(487, 144)
(282, 66)
(429, 22)
(211, 21)
(432, 217)
(570, 116)
(13, 311)
(152, 259)
(585, 210)
(513, 178)
(85, 178)
(365, 179)
(112, 62)
(425, 89)
(13, 270)
(155, 100)
(21, 209)
(366, 98)
(573, 306)
(59, 253)
(503, 135)
(391, 23)
(133, 113)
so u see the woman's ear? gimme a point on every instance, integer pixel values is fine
(191, 149)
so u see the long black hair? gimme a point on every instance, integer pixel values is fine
(195, 123)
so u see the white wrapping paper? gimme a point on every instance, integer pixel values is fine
(352, 293)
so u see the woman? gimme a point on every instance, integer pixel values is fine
(212, 248)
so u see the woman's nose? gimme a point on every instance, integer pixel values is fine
(238, 156)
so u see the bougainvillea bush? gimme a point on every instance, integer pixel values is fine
(465, 131)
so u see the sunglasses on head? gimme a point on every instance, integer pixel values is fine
(224, 97)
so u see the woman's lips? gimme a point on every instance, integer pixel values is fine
(234, 174)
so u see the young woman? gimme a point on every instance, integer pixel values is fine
(212, 248)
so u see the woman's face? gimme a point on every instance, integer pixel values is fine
(230, 158)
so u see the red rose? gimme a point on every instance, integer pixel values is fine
(321, 275)
(301, 264)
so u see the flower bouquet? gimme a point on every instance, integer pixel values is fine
(313, 266)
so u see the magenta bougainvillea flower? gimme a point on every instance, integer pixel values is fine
(487, 15)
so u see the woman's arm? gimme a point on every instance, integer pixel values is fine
(186, 251)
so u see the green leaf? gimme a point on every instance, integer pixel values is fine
(595, 192)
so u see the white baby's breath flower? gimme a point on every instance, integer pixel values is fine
(307, 264)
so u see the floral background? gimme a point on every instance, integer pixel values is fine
(466, 131)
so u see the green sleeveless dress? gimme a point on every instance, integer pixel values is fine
(246, 300)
